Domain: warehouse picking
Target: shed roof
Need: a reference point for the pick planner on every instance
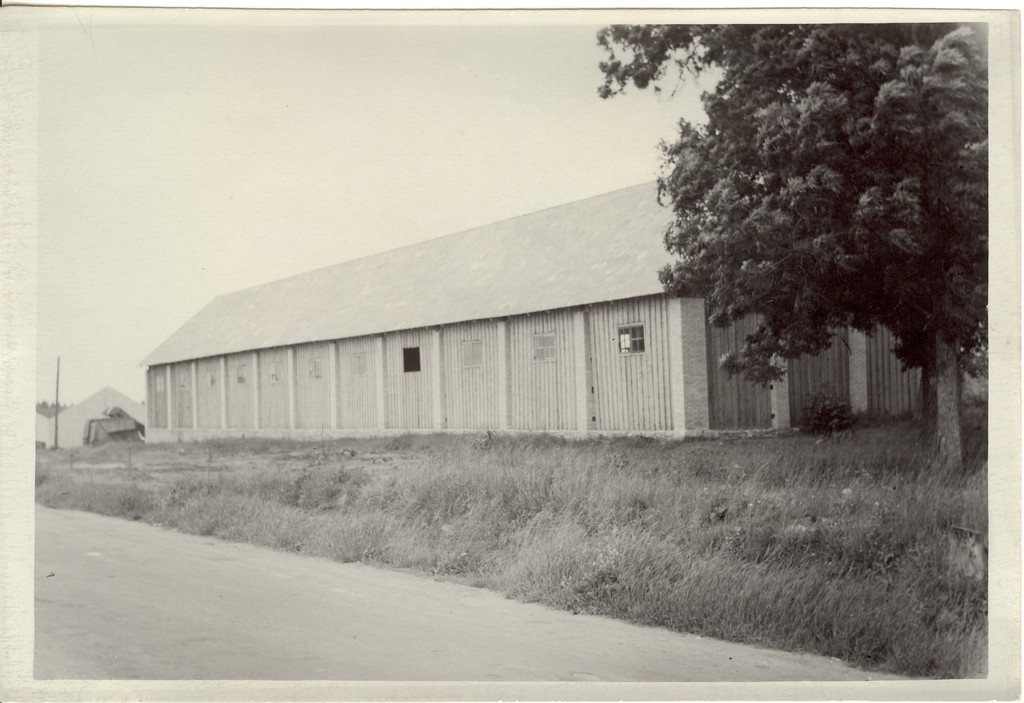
(607, 247)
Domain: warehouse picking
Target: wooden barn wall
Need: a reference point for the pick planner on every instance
(208, 391)
(357, 397)
(542, 395)
(471, 392)
(733, 401)
(156, 397)
(827, 371)
(274, 397)
(312, 393)
(409, 399)
(631, 391)
(891, 389)
(240, 414)
(181, 395)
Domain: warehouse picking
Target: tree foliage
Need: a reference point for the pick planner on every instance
(841, 179)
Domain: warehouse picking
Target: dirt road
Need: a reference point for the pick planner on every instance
(123, 600)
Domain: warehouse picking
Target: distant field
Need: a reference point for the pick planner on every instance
(852, 547)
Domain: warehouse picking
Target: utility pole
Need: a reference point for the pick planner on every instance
(56, 414)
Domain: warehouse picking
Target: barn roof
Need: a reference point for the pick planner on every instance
(602, 248)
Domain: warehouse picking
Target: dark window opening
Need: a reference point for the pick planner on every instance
(411, 359)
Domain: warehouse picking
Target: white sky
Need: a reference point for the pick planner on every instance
(180, 161)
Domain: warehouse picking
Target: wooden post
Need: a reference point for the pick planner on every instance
(436, 398)
(291, 388)
(579, 349)
(223, 392)
(378, 379)
(255, 390)
(332, 387)
(56, 413)
(169, 387)
(193, 368)
(502, 375)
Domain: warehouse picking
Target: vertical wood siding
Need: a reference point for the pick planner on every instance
(240, 394)
(541, 393)
(357, 397)
(471, 392)
(274, 394)
(631, 391)
(827, 371)
(156, 400)
(891, 389)
(207, 395)
(181, 393)
(409, 401)
(734, 402)
(312, 395)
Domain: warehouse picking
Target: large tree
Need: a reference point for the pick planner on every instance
(840, 179)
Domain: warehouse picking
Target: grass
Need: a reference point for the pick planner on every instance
(850, 547)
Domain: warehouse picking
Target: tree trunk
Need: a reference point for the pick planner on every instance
(947, 407)
(927, 411)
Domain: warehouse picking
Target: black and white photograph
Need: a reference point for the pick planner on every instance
(490, 355)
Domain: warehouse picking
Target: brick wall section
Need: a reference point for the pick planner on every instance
(688, 365)
(780, 403)
(858, 371)
(695, 363)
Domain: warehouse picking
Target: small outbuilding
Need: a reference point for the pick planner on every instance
(115, 426)
(74, 423)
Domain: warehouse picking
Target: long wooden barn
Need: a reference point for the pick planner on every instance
(554, 321)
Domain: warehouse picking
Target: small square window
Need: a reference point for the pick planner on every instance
(359, 364)
(314, 368)
(160, 383)
(275, 371)
(631, 339)
(241, 376)
(472, 353)
(544, 347)
(212, 378)
(411, 359)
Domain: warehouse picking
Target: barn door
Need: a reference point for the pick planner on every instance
(183, 406)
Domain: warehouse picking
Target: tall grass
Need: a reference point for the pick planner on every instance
(838, 547)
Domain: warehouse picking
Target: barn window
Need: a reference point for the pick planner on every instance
(275, 371)
(411, 359)
(544, 347)
(213, 378)
(241, 374)
(359, 364)
(160, 383)
(314, 368)
(631, 339)
(472, 353)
